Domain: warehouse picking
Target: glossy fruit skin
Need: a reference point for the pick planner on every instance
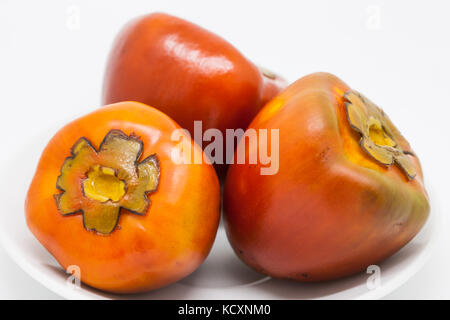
(331, 210)
(144, 252)
(187, 72)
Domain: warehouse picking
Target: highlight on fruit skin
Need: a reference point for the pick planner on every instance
(188, 72)
(349, 192)
(108, 197)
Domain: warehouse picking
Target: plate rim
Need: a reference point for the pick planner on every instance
(57, 287)
(13, 250)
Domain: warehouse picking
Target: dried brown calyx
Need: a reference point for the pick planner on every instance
(376, 135)
(267, 73)
(99, 184)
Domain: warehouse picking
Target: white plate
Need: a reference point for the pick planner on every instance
(222, 276)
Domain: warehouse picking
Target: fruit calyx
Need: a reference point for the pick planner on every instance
(98, 184)
(377, 139)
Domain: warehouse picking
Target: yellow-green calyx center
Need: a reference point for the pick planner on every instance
(378, 134)
(376, 131)
(102, 184)
(99, 184)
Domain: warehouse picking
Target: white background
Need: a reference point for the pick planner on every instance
(395, 52)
